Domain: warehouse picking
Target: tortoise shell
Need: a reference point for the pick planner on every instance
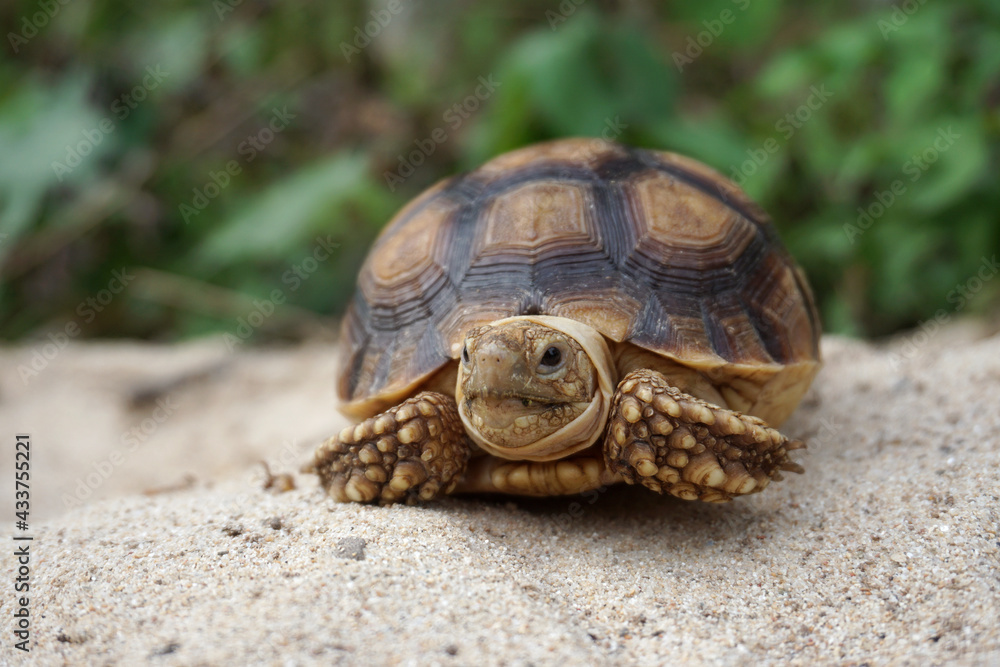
(649, 248)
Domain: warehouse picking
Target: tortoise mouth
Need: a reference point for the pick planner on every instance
(509, 412)
(510, 399)
(506, 428)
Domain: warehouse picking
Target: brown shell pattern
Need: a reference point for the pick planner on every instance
(647, 247)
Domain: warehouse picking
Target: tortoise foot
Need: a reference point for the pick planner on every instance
(672, 442)
(415, 451)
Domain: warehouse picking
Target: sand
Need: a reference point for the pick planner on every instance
(884, 552)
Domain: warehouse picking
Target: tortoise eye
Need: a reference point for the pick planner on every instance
(551, 358)
(465, 354)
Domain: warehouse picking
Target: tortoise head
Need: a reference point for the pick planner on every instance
(534, 387)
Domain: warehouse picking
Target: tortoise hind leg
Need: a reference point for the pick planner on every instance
(416, 450)
(672, 442)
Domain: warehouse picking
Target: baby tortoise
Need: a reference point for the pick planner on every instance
(570, 315)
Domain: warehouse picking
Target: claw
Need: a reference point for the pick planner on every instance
(407, 474)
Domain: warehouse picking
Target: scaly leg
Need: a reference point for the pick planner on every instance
(674, 443)
(416, 450)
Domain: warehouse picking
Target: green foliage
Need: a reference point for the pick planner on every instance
(826, 113)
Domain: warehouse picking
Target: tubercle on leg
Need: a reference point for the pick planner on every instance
(414, 451)
(674, 443)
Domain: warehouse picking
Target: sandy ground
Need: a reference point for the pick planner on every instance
(155, 543)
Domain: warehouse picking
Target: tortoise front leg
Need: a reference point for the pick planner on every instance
(674, 443)
(416, 450)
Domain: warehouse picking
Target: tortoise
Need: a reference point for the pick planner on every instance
(573, 314)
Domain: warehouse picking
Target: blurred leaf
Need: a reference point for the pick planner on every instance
(563, 78)
(915, 84)
(582, 77)
(176, 47)
(48, 136)
(789, 71)
(708, 137)
(242, 48)
(959, 156)
(314, 199)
